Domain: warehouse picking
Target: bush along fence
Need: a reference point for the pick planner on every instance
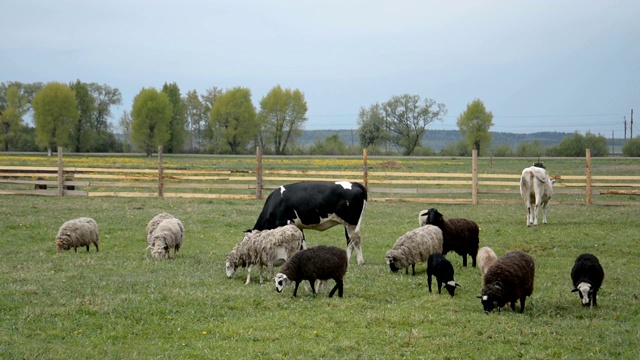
(386, 184)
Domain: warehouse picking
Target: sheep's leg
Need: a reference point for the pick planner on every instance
(313, 285)
(260, 273)
(429, 281)
(339, 286)
(439, 287)
(513, 305)
(522, 300)
(295, 289)
(88, 247)
(249, 268)
(413, 269)
(96, 244)
(464, 260)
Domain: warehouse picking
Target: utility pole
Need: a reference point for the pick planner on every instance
(612, 142)
(625, 129)
(631, 127)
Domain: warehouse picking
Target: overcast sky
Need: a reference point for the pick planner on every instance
(537, 65)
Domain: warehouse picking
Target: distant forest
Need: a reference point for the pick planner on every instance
(438, 139)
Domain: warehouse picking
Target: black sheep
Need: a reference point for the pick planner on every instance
(587, 275)
(441, 268)
(316, 263)
(509, 279)
(459, 235)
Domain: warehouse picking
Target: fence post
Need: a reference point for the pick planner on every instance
(588, 179)
(365, 168)
(258, 173)
(60, 173)
(474, 177)
(160, 173)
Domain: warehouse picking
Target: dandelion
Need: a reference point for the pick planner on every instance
(183, 344)
(204, 333)
(315, 332)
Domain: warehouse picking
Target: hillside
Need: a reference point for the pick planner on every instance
(438, 139)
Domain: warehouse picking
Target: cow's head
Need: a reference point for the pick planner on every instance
(584, 292)
(451, 287)
(281, 281)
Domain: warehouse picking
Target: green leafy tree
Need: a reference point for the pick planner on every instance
(530, 149)
(177, 125)
(151, 116)
(11, 122)
(458, 148)
(83, 133)
(474, 124)
(372, 129)
(212, 133)
(55, 111)
(502, 150)
(407, 118)
(234, 117)
(125, 127)
(196, 118)
(105, 98)
(331, 145)
(282, 115)
(576, 145)
(632, 147)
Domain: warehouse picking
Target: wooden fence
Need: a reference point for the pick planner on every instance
(386, 185)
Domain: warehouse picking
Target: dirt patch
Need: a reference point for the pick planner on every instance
(390, 165)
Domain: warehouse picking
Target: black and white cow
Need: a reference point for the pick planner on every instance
(319, 206)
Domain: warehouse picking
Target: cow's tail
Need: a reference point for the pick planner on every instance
(364, 206)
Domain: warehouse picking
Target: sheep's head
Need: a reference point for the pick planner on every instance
(230, 268)
(159, 247)
(281, 281)
(585, 292)
(63, 242)
(434, 217)
(492, 297)
(451, 287)
(393, 261)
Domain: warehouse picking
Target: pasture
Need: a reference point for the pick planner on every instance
(119, 303)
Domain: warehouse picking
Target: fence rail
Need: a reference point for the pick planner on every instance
(426, 187)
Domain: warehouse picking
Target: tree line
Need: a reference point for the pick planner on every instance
(76, 117)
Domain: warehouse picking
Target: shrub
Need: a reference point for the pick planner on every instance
(631, 147)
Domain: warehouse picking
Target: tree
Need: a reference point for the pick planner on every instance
(406, 119)
(282, 116)
(474, 125)
(234, 116)
(104, 97)
(576, 145)
(632, 147)
(55, 113)
(331, 145)
(530, 149)
(372, 129)
(125, 127)
(178, 119)
(83, 134)
(151, 115)
(11, 122)
(213, 134)
(196, 118)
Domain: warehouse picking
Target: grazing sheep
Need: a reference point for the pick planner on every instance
(169, 234)
(587, 275)
(153, 224)
(441, 268)
(267, 247)
(536, 189)
(459, 235)
(78, 233)
(509, 279)
(316, 263)
(486, 257)
(413, 247)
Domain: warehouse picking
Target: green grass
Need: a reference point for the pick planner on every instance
(120, 304)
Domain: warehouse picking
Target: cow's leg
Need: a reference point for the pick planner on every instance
(353, 243)
(544, 212)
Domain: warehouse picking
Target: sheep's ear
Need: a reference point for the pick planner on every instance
(479, 296)
(575, 290)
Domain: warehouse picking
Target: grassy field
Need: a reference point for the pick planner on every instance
(120, 304)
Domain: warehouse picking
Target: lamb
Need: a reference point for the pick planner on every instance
(316, 263)
(153, 224)
(509, 279)
(441, 268)
(459, 235)
(486, 257)
(413, 247)
(267, 247)
(536, 189)
(169, 234)
(78, 233)
(587, 275)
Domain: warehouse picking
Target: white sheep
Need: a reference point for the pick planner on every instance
(486, 257)
(536, 189)
(265, 248)
(413, 247)
(153, 224)
(169, 234)
(78, 233)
